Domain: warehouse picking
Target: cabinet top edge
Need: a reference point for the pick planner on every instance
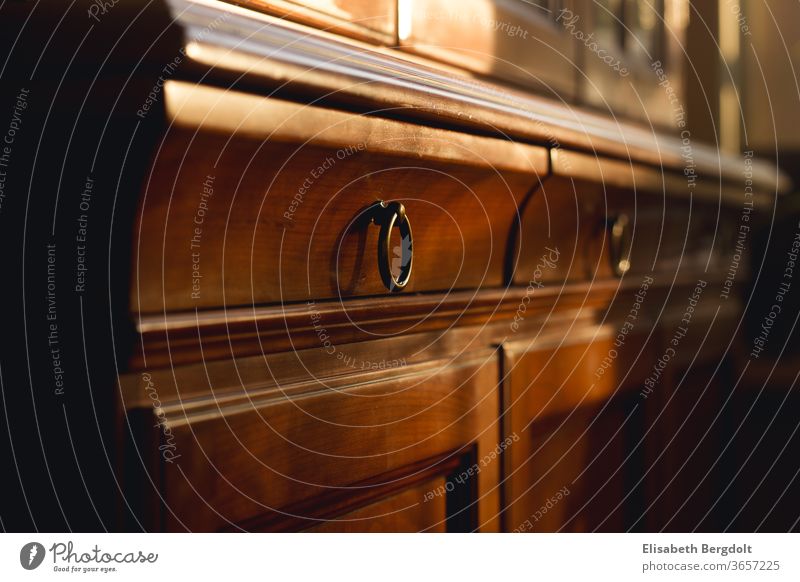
(226, 40)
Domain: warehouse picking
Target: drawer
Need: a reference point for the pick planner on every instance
(258, 201)
(603, 218)
(329, 446)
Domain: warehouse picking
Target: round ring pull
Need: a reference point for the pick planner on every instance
(387, 216)
(620, 244)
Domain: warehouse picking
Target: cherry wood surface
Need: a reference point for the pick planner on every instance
(245, 219)
(578, 431)
(287, 457)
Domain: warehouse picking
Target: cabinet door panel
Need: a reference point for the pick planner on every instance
(404, 512)
(578, 463)
(691, 414)
(292, 456)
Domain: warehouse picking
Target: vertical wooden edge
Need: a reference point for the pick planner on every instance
(141, 466)
(507, 359)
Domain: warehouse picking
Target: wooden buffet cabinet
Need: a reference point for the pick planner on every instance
(538, 337)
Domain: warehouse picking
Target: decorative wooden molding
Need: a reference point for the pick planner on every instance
(167, 340)
(244, 45)
(251, 116)
(625, 174)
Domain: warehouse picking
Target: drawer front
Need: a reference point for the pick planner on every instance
(672, 235)
(364, 451)
(603, 219)
(591, 230)
(275, 203)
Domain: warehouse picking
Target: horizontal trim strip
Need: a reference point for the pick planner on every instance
(184, 338)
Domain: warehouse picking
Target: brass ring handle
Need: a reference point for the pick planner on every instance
(387, 216)
(621, 244)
